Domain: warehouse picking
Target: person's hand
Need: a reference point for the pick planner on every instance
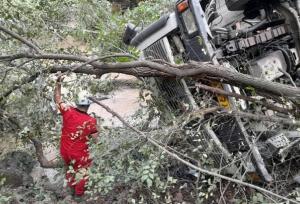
(60, 78)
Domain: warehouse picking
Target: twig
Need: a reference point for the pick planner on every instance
(260, 117)
(289, 76)
(22, 64)
(8, 70)
(23, 40)
(247, 98)
(175, 156)
(97, 59)
(11, 119)
(5, 74)
(38, 146)
(25, 80)
(283, 151)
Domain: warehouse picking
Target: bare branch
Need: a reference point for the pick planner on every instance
(18, 37)
(14, 123)
(44, 56)
(263, 117)
(247, 98)
(138, 72)
(175, 156)
(25, 80)
(5, 74)
(41, 157)
(116, 55)
(97, 59)
(10, 69)
(83, 69)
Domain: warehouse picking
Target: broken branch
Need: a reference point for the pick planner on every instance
(192, 69)
(246, 98)
(175, 156)
(21, 39)
(260, 117)
(44, 162)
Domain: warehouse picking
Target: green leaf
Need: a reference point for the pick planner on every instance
(149, 182)
(144, 178)
(151, 176)
(146, 171)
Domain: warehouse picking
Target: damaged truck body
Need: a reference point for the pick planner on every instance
(255, 37)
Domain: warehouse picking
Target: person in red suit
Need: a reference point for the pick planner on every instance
(77, 128)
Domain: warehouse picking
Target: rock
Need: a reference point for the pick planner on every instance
(15, 169)
(52, 175)
(18, 160)
(15, 177)
(12, 178)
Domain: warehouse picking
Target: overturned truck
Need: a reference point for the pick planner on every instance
(250, 132)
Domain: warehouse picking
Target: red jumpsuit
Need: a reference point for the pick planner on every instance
(76, 131)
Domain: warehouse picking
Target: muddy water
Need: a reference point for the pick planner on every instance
(124, 101)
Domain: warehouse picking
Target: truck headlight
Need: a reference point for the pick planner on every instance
(187, 16)
(189, 21)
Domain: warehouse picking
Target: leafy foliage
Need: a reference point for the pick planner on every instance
(70, 25)
(124, 165)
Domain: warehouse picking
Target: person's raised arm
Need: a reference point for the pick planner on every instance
(57, 94)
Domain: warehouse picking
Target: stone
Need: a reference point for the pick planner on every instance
(15, 169)
(15, 177)
(18, 160)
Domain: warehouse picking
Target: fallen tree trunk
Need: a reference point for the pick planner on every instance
(142, 68)
(153, 69)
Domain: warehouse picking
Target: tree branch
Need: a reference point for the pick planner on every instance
(246, 98)
(25, 80)
(41, 157)
(175, 156)
(138, 72)
(73, 69)
(21, 39)
(38, 146)
(259, 117)
(194, 69)
(83, 69)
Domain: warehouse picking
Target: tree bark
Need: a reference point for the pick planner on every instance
(193, 69)
(44, 162)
